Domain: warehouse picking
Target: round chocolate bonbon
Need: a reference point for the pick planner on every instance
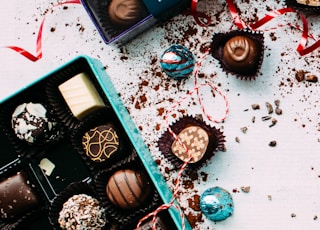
(101, 143)
(177, 62)
(125, 12)
(30, 122)
(128, 189)
(241, 54)
(216, 203)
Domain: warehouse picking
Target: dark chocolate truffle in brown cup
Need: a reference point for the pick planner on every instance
(239, 52)
(125, 13)
(195, 141)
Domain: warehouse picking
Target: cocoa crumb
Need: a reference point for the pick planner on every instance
(293, 215)
(269, 107)
(255, 106)
(300, 75)
(244, 129)
(272, 143)
(245, 189)
(265, 118)
(237, 139)
(273, 122)
(312, 78)
(278, 111)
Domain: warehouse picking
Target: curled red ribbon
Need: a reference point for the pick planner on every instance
(302, 49)
(201, 18)
(38, 54)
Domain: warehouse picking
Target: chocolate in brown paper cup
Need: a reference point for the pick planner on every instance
(53, 130)
(113, 28)
(102, 142)
(303, 7)
(239, 66)
(123, 216)
(74, 188)
(213, 137)
(56, 99)
(32, 208)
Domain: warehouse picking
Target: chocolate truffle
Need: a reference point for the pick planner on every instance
(81, 95)
(128, 189)
(125, 12)
(195, 139)
(30, 122)
(241, 54)
(101, 143)
(16, 196)
(309, 2)
(82, 211)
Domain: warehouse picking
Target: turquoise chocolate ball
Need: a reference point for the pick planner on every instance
(216, 203)
(177, 62)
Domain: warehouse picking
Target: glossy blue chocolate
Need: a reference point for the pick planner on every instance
(177, 62)
(216, 203)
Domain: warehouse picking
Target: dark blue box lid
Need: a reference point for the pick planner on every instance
(158, 7)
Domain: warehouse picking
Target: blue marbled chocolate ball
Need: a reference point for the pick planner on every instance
(177, 62)
(216, 203)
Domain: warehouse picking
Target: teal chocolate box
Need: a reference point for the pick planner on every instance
(69, 165)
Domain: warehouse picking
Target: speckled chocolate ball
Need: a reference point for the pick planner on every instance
(216, 203)
(177, 62)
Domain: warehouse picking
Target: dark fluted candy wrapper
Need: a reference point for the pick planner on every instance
(250, 46)
(215, 141)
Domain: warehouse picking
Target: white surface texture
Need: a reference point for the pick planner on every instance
(284, 180)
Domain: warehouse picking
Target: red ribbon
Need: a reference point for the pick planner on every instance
(302, 50)
(38, 54)
(201, 18)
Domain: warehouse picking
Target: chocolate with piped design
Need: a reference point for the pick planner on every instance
(101, 143)
(195, 139)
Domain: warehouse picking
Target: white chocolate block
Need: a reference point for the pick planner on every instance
(81, 96)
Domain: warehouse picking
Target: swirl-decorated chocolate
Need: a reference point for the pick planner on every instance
(241, 54)
(177, 62)
(101, 143)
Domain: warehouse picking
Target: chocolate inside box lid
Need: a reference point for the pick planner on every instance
(150, 13)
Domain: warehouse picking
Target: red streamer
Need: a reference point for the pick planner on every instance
(302, 49)
(38, 54)
(201, 18)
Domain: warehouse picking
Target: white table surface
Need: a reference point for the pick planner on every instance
(284, 180)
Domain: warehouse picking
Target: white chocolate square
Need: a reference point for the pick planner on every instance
(81, 96)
